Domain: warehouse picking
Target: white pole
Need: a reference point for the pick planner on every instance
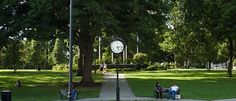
(112, 58)
(99, 48)
(123, 57)
(126, 53)
(137, 44)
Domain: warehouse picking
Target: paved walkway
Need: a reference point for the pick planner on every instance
(226, 100)
(108, 90)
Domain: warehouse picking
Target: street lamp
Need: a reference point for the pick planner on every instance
(70, 53)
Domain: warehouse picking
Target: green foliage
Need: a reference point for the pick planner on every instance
(26, 49)
(36, 54)
(64, 67)
(140, 58)
(76, 54)
(158, 66)
(97, 61)
(58, 54)
(106, 56)
(60, 67)
(205, 39)
(12, 55)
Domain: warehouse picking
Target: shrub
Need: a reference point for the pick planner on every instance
(4, 67)
(140, 58)
(157, 66)
(60, 67)
(172, 65)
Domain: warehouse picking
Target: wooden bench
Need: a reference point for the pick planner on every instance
(64, 95)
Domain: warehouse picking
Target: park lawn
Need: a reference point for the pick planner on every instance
(42, 85)
(194, 84)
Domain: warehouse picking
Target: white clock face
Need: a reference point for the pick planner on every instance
(117, 46)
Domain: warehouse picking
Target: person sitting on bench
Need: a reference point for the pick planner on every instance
(173, 91)
(158, 90)
(74, 94)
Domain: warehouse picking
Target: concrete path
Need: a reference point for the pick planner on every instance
(108, 90)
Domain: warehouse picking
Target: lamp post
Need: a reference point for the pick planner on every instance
(117, 85)
(70, 53)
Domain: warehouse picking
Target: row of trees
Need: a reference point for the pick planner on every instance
(185, 31)
(33, 54)
(201, 31)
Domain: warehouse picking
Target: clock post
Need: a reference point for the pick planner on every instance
(117, 85)
(117, 47)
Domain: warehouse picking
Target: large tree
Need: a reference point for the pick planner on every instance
(218, 18)
(118, 18)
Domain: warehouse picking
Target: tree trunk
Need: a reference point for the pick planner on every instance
(230, 66)
(80, 64)
(209, 66)
(14, 68)
(38, 67)
(87, 48)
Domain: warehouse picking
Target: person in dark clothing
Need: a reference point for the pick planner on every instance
(18, 83)
(158, 90)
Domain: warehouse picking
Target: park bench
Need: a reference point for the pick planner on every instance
(64, 95)
(165, 93)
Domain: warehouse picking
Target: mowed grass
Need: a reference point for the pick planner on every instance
(42, 85)
(194, 84)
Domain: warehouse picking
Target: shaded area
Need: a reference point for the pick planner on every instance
(42, 86)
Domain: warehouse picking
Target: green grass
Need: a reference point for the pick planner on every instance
(194, 84)
(42, 86)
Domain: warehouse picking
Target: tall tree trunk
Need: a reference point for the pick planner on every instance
(14, 55)
(85, 41)
(46, 57)
(230, 66)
